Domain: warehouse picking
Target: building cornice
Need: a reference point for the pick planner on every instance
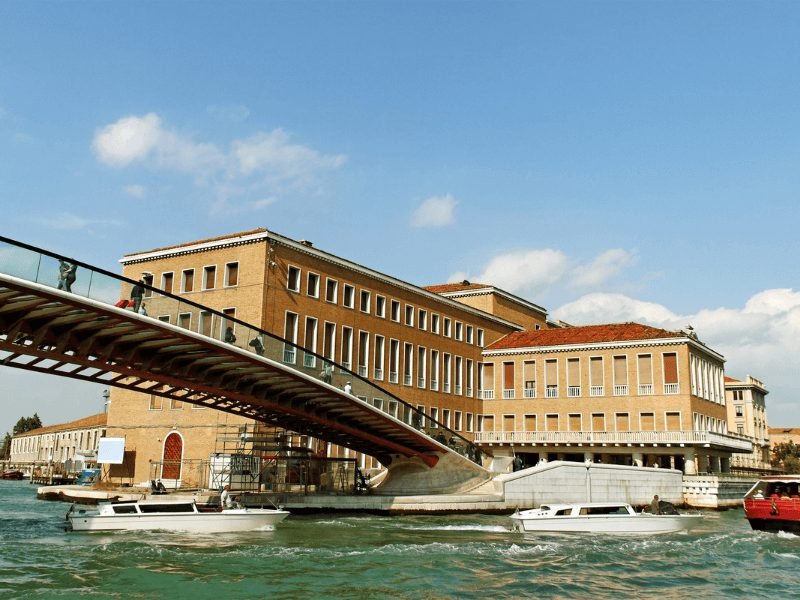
(234, 240)
(489, 290)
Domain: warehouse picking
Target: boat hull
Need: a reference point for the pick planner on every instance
(639, 524)
(773, 504)
(201, 522)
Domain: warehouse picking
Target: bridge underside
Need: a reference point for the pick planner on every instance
(50, 331)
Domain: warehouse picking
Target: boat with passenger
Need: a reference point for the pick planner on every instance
(773, 504)
(172, 515)
(617, 518)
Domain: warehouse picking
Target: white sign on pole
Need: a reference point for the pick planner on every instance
(111, 451)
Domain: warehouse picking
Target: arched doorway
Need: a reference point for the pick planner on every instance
(171, 459)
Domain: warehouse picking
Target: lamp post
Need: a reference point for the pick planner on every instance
(106, 400)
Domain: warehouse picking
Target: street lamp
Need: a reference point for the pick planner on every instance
(106, 400)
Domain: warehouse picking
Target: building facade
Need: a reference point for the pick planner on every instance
(420, 345)
(747, 416)
(622, 393)
(74, 443)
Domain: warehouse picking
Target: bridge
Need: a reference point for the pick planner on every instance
(70, 327)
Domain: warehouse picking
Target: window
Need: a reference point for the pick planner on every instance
(187, 280)
(434, 370)
(394, 360)
(409, 315)
(293, 279)
(457, 420)
(468, 377)
(155, 402)
(209, 277)
(469, 422)
(435, 324)
(670, 360)
(596, 387)
(147, 278)
(529, 378)
(175, 404)
(363, 353)
(349, 296)
(331, 291)
(446, 331)
(231, 274)
(459, 331)
(469, 334)
(446, 363)
(622, 422)
(458, 374)
(621, 376)
(486, 381)
(422, 319)
(310, 342)
(380, 343)
(422, 365)
(395, 311)
(598, 422)
(329, 341)
(551, 378)
(434, 417)
(647, 421)
(312, 289)
(408, 364)
(290, 335)
(205, 326)
(573, 377)
(739, 410)
(230, 313)
(644, 363)
(347, 347)
(166, 282)
(185, 320)
(380, 307)
(480, 338)
(364, 302)
(508, 380)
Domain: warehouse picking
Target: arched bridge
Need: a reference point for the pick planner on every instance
(69, 326)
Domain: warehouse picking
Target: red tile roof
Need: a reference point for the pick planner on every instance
(731, 380)
(85, 423)
(617, 332)
(214, 239)
(461, 286)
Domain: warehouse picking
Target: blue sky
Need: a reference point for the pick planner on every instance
(609, 161)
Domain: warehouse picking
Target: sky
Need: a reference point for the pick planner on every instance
(610, 161)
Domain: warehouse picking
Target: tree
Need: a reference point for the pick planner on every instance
(25, 424)
(5, 449)
(787, 456)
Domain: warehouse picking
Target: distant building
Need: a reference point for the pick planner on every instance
(75, 443)
(747, 416)
(621, 393)
(782, 435)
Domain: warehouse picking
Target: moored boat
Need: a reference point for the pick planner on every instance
(773, 504)
(617, 518)
(12, 474)
(172, 515)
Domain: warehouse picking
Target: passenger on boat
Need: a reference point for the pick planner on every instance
(655, 507)
(225, 499)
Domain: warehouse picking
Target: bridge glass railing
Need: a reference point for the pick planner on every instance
(40, 266)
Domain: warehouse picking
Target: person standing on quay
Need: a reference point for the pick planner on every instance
(136, 295)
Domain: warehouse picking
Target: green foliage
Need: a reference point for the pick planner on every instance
(787, 456)
(5, 449)
(25, 424)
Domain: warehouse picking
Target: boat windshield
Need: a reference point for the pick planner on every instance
(173, 507)
(604, 510)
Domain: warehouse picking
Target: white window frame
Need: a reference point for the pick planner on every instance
(289, 270)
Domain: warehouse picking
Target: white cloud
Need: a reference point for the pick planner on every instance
(603, 267)
(260, 165)
(128, 140)
(70, 222)
(136, 191)
(614, 308)
(436, 211)
(525, 272)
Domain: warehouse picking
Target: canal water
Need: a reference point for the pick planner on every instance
(366, 556)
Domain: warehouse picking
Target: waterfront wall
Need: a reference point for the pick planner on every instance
(712, 491)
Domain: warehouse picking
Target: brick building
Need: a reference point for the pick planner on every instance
(747, 416)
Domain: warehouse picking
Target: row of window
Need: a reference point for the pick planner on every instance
(598, 422)
(394, 310)
(382, 359)
(188, 281)
(157, 403)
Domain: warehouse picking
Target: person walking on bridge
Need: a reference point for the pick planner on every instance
(137, 293)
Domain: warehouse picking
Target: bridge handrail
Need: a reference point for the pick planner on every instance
(103, 286)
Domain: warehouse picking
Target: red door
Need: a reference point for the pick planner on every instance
(173, 452)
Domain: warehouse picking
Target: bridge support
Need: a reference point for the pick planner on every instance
(451, 474)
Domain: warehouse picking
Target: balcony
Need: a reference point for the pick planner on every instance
(597, 390)
(551, 391)
(672, 388)
(573, 391)
(529, 393)
(508, 394)
(486, 394)
(676, 439)
(620, 390)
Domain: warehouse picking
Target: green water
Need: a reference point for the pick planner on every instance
(364, 556)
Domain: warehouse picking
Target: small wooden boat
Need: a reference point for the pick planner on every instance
(599, 517)
(172, 516)
(773, 504)
(12, 475)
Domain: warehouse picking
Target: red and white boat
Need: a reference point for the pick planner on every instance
(773, 504)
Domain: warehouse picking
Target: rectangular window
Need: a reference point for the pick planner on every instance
(446, 372)
(508, 380)
(645, 367)
(739, 410)
(349, 296)
(446, 331)
(598, 422)
(329, 341)
(347, 347)
(469, 376)
(409, 315)
(622, 422)
(364, 302)
(469, 423)
(422, 319)
(166, 282)
(185, 320)
(509, 423)
(673, 421)
(486, 381)
(155, 402)
(380, 342)
(293, 279)
(175, 404)
(469, 334)
(394, 361)
(434, 370)
(209, 277)
(529, 422)
(395, 311)
(290, 335)
(187, 280)
(457, 375)
(488, 423)
(363, 353)
(647, 421)
(435, 324)
(147, 279)
(574, 422)
(408, 364)
(573, 377)
(231, 274)
(459, 331)
(457, 420)
(596, 387)
(480, 338)
(206, 324)
(230, 313)
(331, 291)
(551, 422)
(422, 365)
(551, 378)
(434, 417)
(312, 289)
(670, 360)
(529, 378)
(380, 307)
(620, 375)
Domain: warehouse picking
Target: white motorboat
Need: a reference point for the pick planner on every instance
(172, 516)
(600, 517)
